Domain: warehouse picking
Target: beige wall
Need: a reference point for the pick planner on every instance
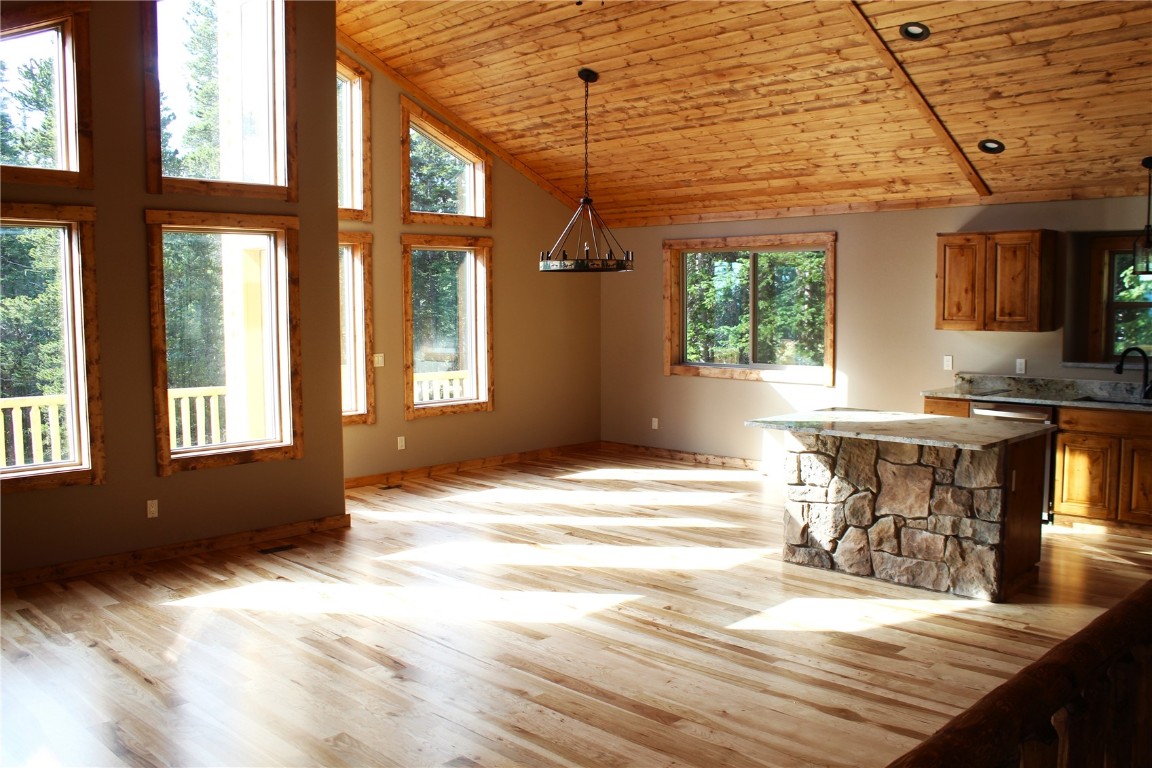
(546, 326)
(52, 526)
(886, 346)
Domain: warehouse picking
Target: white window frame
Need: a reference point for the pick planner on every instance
(356, 162)
(356, 330)
(82, 354)
(283, 68)
(480, 249)
(414, 116)
(284, 297)
(674, 307)
(74, 88)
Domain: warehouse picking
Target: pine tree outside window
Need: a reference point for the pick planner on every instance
(51, 426)
(446, 178)
(45, 100)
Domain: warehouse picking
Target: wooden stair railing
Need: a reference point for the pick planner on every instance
(1085, 703)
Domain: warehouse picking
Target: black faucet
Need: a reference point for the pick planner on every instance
(1120, 368)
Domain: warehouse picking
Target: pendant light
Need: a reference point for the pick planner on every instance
(593, 248)
(1142, 246)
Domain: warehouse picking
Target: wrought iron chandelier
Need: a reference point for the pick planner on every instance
(593, 246)
(1142, 246)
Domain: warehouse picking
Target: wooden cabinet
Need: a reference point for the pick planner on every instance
(995, 281)
(1104, 465)
(946, 406)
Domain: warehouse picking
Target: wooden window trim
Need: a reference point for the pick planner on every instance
(157, 182)
(481, 248)
(72, 17)
(82, 219)
(674, 310)
(361, 243)
(352, 69)
(427, 122)
(286, 230)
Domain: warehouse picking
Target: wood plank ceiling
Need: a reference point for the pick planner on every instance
(711, 110)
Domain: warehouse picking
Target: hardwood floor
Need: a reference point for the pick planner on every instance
(596, 609)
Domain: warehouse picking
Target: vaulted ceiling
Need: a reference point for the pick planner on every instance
(720, 110)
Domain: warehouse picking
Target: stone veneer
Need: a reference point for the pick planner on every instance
(920, 515)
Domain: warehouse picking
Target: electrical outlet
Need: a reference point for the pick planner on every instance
(655, 423)
(1021, 365)
(947, 362)
(378, 360)
(400, 443)
(153, 508)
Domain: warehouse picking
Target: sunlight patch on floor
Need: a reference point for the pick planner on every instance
(670, 475)
(637, 498)
(569, 521)
(583, 555)
(857, 614)
(451, 604)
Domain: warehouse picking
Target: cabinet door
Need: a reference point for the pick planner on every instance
(1087, 475)
(1015, 279)
(959, 282)
(1136, 481)
(946, 406)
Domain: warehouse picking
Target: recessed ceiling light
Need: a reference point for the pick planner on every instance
(915, 31)
(991, 146)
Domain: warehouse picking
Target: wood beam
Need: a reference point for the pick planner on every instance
(916, 97)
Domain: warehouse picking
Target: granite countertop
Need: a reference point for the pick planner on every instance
(917, 428)
(1075, 393)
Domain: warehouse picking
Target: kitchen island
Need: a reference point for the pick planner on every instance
(943, 503)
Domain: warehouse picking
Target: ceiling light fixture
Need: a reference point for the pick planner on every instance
(594, 248)
(915, 31)
(1142, 245)
(991, 146)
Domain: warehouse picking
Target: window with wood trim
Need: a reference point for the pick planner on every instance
(759, 307)
(446, 177)
(357, 374)
(220, 97)
(51, 425)
(447, 324)
(45, 95)
(353, 138)
(1120, 304)
(226, 349)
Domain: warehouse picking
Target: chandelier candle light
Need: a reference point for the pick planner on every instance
(594, 247)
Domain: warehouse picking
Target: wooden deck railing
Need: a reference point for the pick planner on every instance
(1087, 702)
(196, 416)
(33, 430)
(441, 385)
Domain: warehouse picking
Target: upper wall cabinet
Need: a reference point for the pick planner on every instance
(995, 281)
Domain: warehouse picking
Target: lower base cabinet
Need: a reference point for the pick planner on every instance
(1104, 465)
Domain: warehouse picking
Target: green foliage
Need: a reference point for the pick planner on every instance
(194, 309)
(31, 311)
(1132, 306)
(201, 142)
(29, 139)
(437, 324)
(786, 289)
(437, 176)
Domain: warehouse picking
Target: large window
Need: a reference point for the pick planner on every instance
(220, 98)
(447, 324)
(357, 373)
(226, 386)
(757, 307)
(446, 178)
(51, 427)
(1121, 300)
(353, 138)
(45, 102)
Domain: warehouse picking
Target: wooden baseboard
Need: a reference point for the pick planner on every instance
(399, 476)
(169, 551)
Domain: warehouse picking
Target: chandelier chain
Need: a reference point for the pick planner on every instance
(585, 138)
